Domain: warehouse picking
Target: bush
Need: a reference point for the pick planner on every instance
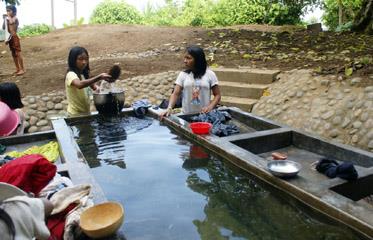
(115, 12)
(34, 30)
(165, 16)
(227, 12)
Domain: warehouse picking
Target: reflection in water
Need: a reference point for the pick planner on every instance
(171, 189)
(239, 208)
(102, 140)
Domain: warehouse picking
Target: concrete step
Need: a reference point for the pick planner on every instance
(245, 75)
(245, 104)
(244, 90)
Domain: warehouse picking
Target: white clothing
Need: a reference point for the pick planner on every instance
(201, 86)
(28, 218)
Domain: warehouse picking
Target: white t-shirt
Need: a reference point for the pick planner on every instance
(28, 218)
(196, 92)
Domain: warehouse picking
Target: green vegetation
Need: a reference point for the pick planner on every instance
(115, 12)
(34, 30)
(350, 9)
(79, 22)
(207, 13)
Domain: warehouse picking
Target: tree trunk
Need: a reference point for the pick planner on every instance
(340, 13)
(364, 19)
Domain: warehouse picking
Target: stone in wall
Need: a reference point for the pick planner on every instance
(337, 110)
(39, 109)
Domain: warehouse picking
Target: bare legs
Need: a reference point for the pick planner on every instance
(18, 61)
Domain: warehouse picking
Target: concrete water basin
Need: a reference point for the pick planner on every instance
(245, 122)
(356, 190)
(302, 148)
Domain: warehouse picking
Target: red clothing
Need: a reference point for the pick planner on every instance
(31, 173)
(15, 45)
(56, 223)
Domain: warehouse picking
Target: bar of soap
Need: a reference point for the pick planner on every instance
(279, 156)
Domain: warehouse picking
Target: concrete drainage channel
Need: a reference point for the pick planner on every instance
(336, 198)
(250, 150)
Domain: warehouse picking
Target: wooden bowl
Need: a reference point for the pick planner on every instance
(102, 220)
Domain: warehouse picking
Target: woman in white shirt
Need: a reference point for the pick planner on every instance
(195, 84)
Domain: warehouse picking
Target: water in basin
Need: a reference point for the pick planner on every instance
(172, 189)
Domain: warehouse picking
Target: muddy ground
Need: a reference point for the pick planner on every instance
(144, 50)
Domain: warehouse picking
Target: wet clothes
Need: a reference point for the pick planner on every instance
(140, 107)
(219, 120)
(31, 173)
(2, 148)
(50, 151)
(5, 159)
(332, 169)
(27, 215)
(165, 102)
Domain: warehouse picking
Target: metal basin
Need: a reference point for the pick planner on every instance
(284, 168)
(109, 103)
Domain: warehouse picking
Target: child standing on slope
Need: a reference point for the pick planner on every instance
(78, 80)
(11, 24)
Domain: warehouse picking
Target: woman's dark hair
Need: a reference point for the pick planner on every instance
(4, 216)
(71, 61)
(200, 63)
(10, 94)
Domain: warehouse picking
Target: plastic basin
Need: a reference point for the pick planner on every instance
(200, 127)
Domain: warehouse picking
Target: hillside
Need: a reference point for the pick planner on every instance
(143, 50)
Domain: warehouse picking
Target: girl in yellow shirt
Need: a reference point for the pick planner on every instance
(78, 80)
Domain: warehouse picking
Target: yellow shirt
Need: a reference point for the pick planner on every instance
(78, 99)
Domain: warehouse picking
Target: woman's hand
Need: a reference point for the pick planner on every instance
(165, 113)
(206, 109)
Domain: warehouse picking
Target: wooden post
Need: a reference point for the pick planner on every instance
(52, 13)
(75, 12)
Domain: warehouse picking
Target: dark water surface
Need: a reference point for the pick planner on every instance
(172, 189)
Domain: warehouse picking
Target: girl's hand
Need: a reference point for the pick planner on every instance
(105, 76)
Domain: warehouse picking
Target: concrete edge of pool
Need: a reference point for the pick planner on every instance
(314, 192)
(310, 187)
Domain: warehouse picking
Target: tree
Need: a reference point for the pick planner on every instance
(13, 2)
(364, 19)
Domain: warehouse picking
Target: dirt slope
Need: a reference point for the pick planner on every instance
(143, 50)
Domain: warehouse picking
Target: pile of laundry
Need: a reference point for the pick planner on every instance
(50, 151)
(219, 121)
(36, 175)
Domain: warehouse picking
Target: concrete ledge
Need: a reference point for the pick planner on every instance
(256, 76)
(310, 187)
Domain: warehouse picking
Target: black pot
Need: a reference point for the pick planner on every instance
(109, 103)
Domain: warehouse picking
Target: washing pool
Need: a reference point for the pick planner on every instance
(173, 189)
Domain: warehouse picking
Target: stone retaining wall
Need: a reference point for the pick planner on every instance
(336, 109)
(331, 107)
(38, 109)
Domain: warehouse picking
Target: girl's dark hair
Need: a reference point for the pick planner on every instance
(10, 94)
(200, 63)
(71, 61)
(4, 216)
